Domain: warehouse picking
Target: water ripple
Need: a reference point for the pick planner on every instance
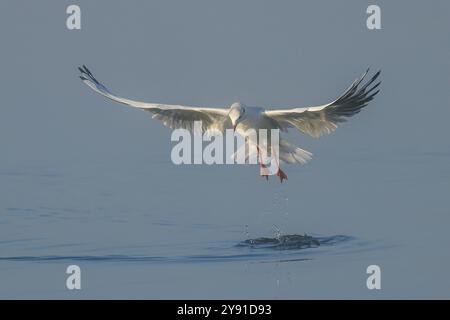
(285, 248)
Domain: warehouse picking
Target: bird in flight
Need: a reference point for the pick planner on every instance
(314, 120)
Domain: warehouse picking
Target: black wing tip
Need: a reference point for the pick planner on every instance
(84, 72)
(374, 94)
(375, 86)
(370, 67)
(370, 83)
(87, 75)
(377, 74)
(87, 70)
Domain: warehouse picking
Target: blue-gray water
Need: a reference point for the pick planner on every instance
(87, 182)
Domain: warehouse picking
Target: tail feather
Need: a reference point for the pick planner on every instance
(290, 153)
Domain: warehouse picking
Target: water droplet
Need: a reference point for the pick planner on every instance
(277, 233)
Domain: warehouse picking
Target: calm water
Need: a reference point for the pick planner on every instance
(87, 182)
(130, 243)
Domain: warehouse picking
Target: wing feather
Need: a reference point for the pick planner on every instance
(319, 120)
(172, 116)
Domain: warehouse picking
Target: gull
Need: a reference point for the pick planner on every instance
(313, 120)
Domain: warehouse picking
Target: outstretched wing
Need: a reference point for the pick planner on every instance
(172, 116)
(323, 119)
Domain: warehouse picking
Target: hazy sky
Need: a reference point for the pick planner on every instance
(382, 175)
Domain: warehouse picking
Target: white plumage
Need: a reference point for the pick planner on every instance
(314, 121)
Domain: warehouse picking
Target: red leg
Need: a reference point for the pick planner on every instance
(282, 175)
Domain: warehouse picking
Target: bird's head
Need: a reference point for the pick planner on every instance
(236, 114)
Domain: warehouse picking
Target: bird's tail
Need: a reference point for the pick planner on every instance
(290, 153)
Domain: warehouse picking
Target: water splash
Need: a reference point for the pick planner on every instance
(283, 242)
(277, 232)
